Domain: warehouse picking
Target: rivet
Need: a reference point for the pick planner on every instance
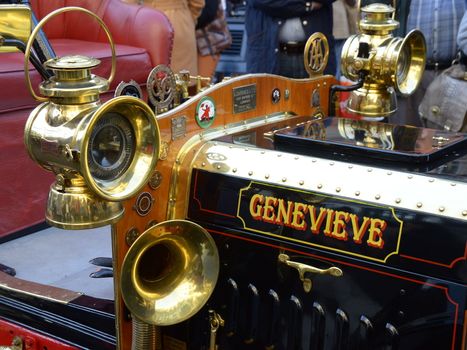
(279, 155)
(338, 189)
(250, 173)
(398, 200)
(234, 170)
(369, 170)
(296, 158)
(357, 193)
(464, 213)
(203, 164)
(284, 179)
(419, 205)
(350, 166)
(218, 166)
(266, 176)
(431, 180)
(377, 196)
(389, 172)
(441, 209)
(331, 163)
(263, 152)
(320, 186)
(453, 184)
(313, 160)
(301, 182)
(410, 177)
(246, 149)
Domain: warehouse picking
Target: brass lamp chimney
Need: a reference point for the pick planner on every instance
(389, 64)
(101, 153)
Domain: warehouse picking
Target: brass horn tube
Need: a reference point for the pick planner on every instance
(144, 335)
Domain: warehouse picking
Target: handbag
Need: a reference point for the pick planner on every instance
(444, 105)
(215, 36)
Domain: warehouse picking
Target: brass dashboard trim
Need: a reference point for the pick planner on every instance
(189, 150)
(395, 189)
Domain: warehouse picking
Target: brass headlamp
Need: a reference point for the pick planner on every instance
(101, 153)
(389, 64)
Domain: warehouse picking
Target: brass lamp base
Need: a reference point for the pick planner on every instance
(373, 102)
(76, 208)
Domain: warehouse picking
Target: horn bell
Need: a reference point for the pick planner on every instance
(169, 272)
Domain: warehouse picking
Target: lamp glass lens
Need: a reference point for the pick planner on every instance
(403, 64)
(111, 147)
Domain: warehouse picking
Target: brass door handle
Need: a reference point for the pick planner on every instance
(303, 268)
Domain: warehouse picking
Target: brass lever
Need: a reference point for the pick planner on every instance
(215, 321)
(16, 344)
(303, 268)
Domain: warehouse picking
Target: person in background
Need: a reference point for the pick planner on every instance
(277, 31)
(344, 13)
(439, 21)
(212, 36)
(183, 14)
(462, 38)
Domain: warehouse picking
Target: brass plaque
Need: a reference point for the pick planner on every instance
(178, 127)
(244, 98)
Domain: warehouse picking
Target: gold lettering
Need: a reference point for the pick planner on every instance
(268, 214)
(329, 220)
(298, 221)
(256, 208)
(358, 232)
(340, 219)
(316, 222)
(284, 215)
(375, 235)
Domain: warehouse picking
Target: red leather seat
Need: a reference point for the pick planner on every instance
(143, 38)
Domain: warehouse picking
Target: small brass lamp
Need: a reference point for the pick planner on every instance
(389, 64)
(101, 153)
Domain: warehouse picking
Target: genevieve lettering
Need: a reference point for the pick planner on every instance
(332, 223)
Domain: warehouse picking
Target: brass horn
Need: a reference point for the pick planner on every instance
(168, 274)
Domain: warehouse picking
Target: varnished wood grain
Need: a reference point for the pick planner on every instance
(298, 103)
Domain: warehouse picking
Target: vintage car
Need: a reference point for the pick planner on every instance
(249, 214)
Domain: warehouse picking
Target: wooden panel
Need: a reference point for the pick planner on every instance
(299, 102)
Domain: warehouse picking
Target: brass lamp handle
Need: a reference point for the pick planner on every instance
(39, 26)
(304, 268)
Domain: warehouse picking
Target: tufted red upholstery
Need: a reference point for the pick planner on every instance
(143, 38)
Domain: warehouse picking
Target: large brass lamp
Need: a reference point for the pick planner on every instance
(389, 64)
(101, 153)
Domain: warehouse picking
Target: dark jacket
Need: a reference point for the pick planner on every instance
(263, 18)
